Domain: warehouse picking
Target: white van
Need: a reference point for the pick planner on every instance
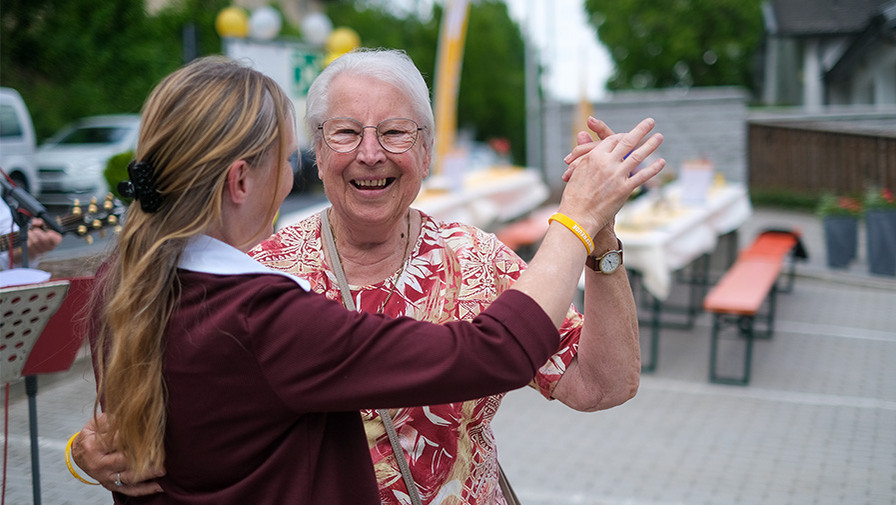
(17, 143)
(71, 163)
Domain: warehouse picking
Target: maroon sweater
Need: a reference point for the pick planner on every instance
(265, 381)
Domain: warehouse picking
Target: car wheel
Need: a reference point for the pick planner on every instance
(19, 180)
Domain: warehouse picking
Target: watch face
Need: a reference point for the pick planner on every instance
(610, 262)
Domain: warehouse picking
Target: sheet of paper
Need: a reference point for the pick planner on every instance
(695, 180)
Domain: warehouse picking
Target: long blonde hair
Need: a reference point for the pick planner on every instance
(195, 124)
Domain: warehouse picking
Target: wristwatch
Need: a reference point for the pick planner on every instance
(606, 263)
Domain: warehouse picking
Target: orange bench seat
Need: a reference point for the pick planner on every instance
(525, 233)
(775, 244)
(745, 286)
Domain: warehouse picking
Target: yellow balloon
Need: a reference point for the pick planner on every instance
(232, 22)
(342, 40)
(330, 58)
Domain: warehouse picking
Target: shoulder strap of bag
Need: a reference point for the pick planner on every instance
(397, 450)
(330, 244)
(506, 488)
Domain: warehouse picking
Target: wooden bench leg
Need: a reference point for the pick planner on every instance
(648, 362)
(699, 283)
(771, 311)
(745, 329)
(790, 275)
(650, 365)
(695, 278)
(772, 303)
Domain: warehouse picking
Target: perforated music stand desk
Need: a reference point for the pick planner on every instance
(58, 345)
(38, 335)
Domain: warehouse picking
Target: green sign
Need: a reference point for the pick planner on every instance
(306, 67)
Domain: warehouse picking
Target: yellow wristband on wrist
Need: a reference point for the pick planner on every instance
(575, 228)
(68, 462)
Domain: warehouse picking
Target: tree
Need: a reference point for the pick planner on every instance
(74, 58)
(491, 101)
(493, 80)
(678, 42)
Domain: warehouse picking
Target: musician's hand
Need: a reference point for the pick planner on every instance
(41, 240)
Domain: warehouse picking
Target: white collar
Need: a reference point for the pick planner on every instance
(209, 255)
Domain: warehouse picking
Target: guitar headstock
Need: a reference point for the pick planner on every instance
(82, 221)
(94, 217)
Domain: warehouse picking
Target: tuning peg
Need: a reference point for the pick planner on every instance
(97, 224)
(82, 230)
(112, 220)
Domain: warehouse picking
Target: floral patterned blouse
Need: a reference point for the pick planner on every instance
(454, 272)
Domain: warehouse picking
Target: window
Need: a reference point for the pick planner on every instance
(95, 135)
(9, 122)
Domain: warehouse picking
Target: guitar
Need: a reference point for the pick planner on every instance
(83, 220)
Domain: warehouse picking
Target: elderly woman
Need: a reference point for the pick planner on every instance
(400, 261)
(372, 124)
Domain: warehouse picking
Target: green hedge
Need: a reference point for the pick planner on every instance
(117, 171)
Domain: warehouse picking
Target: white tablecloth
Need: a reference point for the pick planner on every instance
(486, 197)
(661, 235)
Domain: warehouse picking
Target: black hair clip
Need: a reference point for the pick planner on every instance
(141, 187)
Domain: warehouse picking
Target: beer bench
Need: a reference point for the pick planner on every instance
(750, 283)
(524, 235)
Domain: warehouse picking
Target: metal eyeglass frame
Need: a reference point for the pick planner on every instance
(375, 128)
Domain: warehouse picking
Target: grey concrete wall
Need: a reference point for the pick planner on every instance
(699, 122)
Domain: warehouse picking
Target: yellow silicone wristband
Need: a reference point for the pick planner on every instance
(575, 228)
(68, 462)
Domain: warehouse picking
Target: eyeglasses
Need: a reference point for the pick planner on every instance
(344, 134)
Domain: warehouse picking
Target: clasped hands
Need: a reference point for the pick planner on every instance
(609, 168)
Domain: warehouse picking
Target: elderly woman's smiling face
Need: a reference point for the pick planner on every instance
(370, 185)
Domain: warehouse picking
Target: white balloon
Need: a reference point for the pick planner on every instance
(264, 23)
(316, 27)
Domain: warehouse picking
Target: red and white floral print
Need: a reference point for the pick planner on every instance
(455, 271)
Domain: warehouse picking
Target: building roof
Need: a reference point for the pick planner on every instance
(804, 18)
(880, 29)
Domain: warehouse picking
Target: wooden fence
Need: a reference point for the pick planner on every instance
(811, 158)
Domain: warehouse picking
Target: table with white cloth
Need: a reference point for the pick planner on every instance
(664, 234)
(481, 198)
(485, 197)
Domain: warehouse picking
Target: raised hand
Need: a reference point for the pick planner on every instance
(602, 174)
(585, 143)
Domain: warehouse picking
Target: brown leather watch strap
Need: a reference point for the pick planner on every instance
(593, 262)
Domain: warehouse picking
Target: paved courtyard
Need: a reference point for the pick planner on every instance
(816, 425)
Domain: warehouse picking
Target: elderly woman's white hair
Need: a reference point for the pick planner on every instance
(388, 65)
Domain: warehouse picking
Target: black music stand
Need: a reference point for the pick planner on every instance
(26, 311)
(32, 340)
